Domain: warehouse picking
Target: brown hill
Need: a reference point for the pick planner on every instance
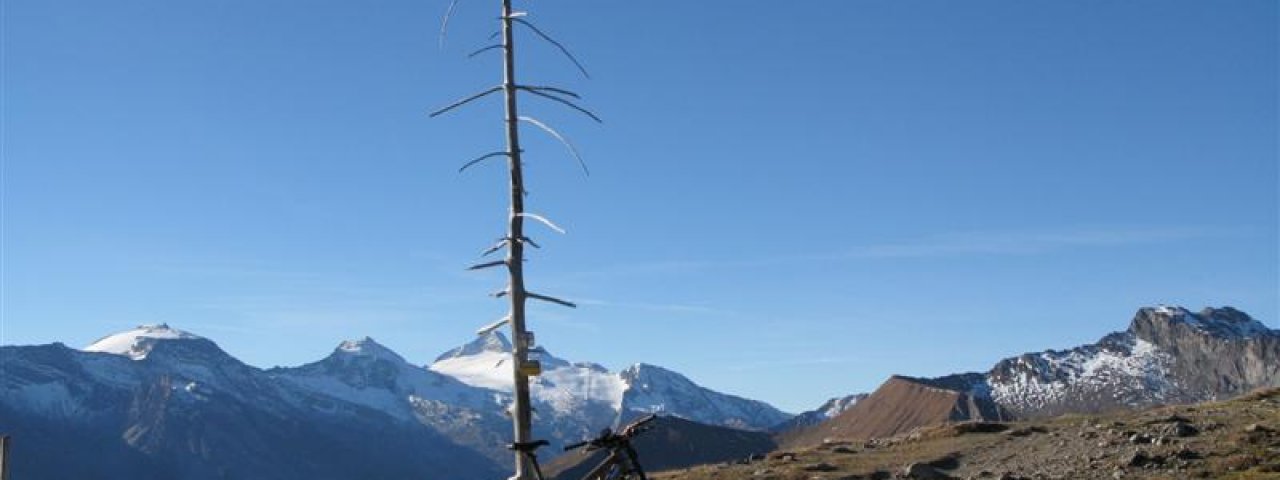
(899, 405)
(672, 443)
(1232, 440)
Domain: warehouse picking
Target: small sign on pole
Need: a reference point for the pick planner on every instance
(4, 457)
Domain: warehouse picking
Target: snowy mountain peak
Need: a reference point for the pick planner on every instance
(139, 342)
(1225, 322)
(368, 347)
(644, 372)
(636, 368)
(492, 342)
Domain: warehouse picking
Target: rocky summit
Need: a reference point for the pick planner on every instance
(1168, 355)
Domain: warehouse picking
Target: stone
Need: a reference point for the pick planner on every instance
(1136, 459)
(923, 471)
(1256, 428)
(820, 467)
(784, 456)
(1182, 429)
(1187, 454)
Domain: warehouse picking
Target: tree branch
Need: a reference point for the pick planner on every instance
(444, 24)
(542, 219)
(552, 89)
(552, 300)
(497, 246)
(485, 330)
(465, 101)
(562, 140)
(558, 45)
(485, 49)
(492, 264)
(483, 158)
(563, 101)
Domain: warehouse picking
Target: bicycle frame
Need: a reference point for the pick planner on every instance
(617, 465)
(622, 462)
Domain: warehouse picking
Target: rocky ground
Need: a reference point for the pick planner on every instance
(1237, 439)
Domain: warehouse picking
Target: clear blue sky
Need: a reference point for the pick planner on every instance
(788, 200)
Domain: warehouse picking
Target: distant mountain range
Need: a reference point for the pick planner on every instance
(824, 412)
(1168, 355)
(158, 402)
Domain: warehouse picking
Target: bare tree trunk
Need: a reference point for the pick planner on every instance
(522, 340)
(521, 411)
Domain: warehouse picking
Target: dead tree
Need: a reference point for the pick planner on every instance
(515, 240)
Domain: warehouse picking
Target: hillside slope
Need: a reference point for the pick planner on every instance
(1168, 355)
(900, 404)
(1233, 440)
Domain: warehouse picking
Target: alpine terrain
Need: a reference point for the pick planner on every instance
(159, 402)
(1168, 355)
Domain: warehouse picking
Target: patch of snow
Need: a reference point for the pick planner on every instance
(570, 390)
(562, 385)
(1136, 367)
(1222, 325)
(838, 405)
(387, 401)
(367, 347)
(137, 343)
(366, 373)
(492, 342)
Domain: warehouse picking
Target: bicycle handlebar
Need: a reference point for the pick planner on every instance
(635, 426)
(608, 437)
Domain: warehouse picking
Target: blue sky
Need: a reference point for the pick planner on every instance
(788, 200)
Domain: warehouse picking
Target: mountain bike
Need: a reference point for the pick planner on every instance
(621, 463)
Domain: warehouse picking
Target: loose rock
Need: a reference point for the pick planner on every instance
(820, 467)
(923, 471)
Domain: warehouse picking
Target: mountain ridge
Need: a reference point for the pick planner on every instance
(1167, 355)
(152, 390)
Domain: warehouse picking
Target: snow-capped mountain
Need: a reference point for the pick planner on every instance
(589, 392)
(158, 402)
(824, 412)
(137, 343)
(1168, 355)
(363, 372)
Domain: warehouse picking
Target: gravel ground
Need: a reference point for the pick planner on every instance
(1237, 439)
